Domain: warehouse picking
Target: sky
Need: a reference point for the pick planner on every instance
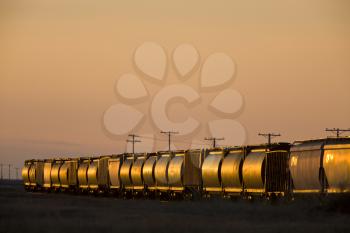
(59, 62)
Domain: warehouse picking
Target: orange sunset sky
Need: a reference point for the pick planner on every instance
(59, 61)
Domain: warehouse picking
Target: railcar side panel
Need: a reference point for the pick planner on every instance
(68, 174)
(176, 171)
(231, 172)
(254, 172)
(136, 173)
(161, 171)
(25, 174)
(305, 165)
(125, 173)
(92, 174)
(148, 172)
(114, 165)
(336, 162)
(193, 160)
(211, 171)
(82, 174)
(47, 174)
(55, 178)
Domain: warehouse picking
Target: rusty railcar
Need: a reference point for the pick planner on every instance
(33, 174)
(97, 174)
(265, 170)
(320, 166)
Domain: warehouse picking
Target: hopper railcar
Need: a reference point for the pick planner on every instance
(178, 174)
(211, 175)
(184, 174)
(265, 171)
(138, 185)
(68, 176)
(47, 184)
(55, 174)
(97, 175)
(32, 174)
(312, 167)
(125, 175)
(320, 166)
(148, 175)
(161, 173)
(248, 171)
(231, 172)
(222, 172)
(114, 165)
(132, 181)
(83, 166)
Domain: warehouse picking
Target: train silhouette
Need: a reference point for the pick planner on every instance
(275, 170)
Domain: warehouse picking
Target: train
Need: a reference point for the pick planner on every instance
(269, 171)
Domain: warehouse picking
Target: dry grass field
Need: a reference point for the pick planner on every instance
(40, 212)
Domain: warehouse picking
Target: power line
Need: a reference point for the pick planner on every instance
(269, 136)
(213, 139)
(337, 131)
(169, 133)
(179, 141)
(133, 141)
(159, 139)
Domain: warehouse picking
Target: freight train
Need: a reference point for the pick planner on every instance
(319, 167)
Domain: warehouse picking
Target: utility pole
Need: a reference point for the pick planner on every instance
(213, 139)
(269, 136)
(1, 165)
(133, 141)
(9, 171)
(16, 172)
(337, 131)
(169, 133)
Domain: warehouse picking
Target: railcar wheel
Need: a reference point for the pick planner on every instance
(273, 199)
(145, 194)
(127, 195)
(234, 198)
(188, 196)
(115, 193)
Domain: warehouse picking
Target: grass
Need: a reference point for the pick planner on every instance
(40, 212)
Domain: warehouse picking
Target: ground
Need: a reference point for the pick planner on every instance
(28, 212)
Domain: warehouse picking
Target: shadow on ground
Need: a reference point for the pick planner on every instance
(40, 212)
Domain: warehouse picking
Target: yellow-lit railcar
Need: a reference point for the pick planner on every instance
(32, 174)
(97, 174)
